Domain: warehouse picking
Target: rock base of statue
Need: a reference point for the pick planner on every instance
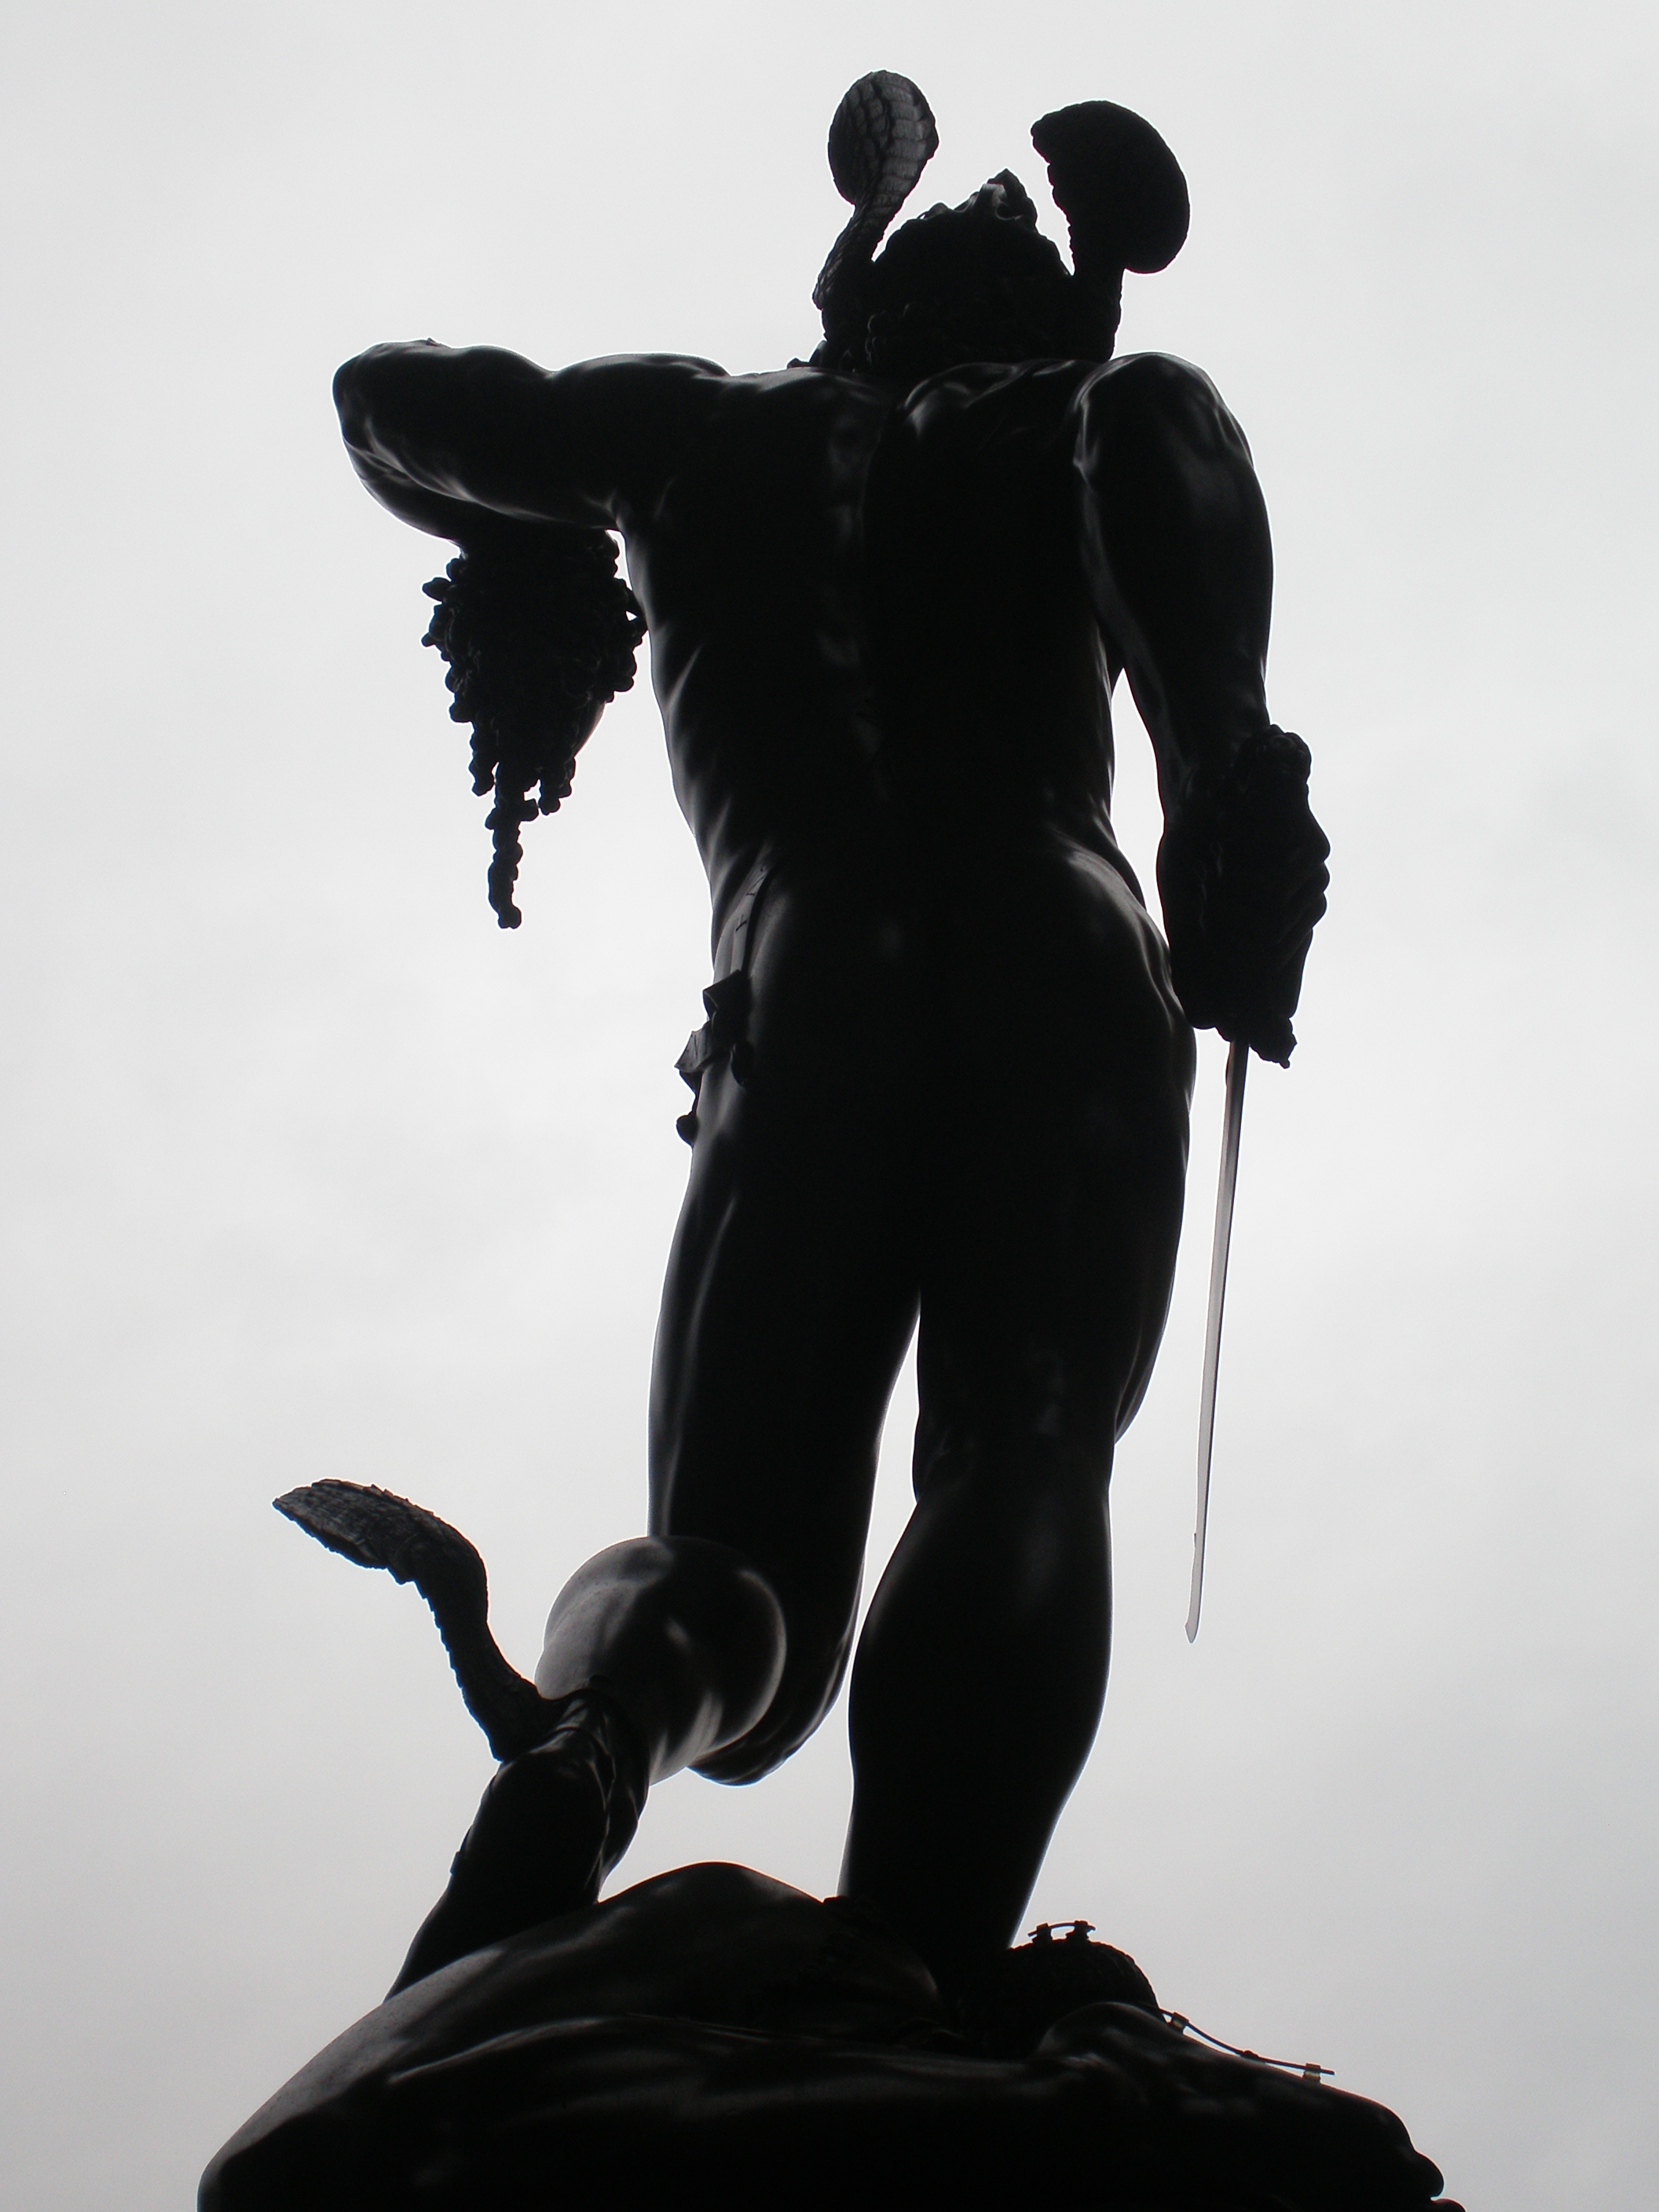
(715, 2037)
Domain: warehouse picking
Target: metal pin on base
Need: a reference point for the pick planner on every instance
(1238, 1060)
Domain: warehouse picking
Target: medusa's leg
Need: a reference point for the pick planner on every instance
(1050, 1242)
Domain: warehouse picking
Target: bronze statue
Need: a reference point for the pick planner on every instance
(947, 1061)
(943, 1078)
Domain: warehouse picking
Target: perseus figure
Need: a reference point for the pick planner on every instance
(944, 1077)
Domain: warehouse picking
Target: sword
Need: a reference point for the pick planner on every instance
(1238, 1059)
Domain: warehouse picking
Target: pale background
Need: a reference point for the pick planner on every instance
(309, 1170)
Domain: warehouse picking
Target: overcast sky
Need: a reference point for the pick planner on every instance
(309, 1170)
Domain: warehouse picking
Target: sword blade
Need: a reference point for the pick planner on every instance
(1238, 1060)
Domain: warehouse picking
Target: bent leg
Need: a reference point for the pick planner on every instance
(1054, 1220)
(720, 1639)
(688, 1636)
(657, 1652)
(791, 1290)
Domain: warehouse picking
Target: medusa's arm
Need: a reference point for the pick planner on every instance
(474, 444)
(1181, 566)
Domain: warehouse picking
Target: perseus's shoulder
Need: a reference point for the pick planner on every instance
(1152, 397)
(771, 435)
(668, 394)
(423, 387)
(800, 393)
(665, 378)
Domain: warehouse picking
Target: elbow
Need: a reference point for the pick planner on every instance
(366, 380)
(350, 399)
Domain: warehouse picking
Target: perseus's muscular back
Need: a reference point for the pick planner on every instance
(888, 590)
(870, 614)
(750, 564)
(874, 597)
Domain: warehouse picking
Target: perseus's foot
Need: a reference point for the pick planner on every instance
(549, 1826)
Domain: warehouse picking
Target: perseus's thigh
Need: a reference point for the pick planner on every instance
(791, 1289)
(1056, 1181)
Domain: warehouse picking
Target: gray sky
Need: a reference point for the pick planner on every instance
(309, 1170)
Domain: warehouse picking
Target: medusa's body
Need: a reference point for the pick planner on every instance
(945, 1070)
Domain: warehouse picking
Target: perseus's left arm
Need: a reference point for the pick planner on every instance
(527, 470)
(479, 444)
(1180, 564)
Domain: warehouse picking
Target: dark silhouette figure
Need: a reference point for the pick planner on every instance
(945, 1072)
(947, 1059)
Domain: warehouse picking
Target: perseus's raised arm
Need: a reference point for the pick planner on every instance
(1180, 565)
(527, 470)
(464, 444)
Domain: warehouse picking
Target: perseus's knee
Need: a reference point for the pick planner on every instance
(708, 1603)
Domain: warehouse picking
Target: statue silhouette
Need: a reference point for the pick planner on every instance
(943, 1078)
(945, 1075)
